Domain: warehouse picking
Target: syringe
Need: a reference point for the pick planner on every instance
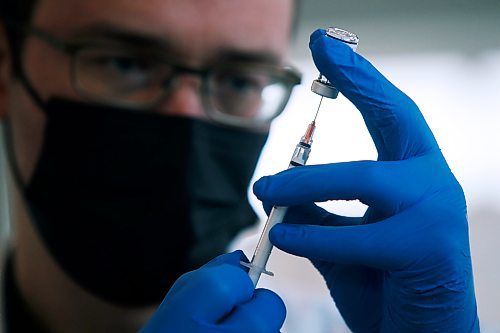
(264, 247)
(324, 88)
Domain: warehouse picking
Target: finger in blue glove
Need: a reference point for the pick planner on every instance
(218, 297)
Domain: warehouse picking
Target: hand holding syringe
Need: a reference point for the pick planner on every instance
(324, 88)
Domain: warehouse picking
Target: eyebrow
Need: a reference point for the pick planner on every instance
(249, 56)
(110, 33)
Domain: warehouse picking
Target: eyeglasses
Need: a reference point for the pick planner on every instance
(241, 94)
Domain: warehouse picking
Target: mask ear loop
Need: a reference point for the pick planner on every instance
(9, 138)
(35, 97)
(11, 155)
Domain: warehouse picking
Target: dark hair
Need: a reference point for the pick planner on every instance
(16, 13)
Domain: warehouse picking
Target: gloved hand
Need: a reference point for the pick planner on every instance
(405, 266)
(218, 297)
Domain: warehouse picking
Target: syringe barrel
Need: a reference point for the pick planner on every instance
(264, 247)
(277, 214)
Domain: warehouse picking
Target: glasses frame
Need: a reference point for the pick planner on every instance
(288, 75)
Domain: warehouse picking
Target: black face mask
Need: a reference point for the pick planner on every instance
(126, 202)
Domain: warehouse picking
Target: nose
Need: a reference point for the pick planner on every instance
(183, 98)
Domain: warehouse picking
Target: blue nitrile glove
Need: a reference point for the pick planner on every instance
(405, 266)
(218, 298)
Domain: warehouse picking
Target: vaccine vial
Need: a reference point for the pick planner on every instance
(321, 85)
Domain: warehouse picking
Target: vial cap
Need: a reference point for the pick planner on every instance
(324, 89)
(351, 39)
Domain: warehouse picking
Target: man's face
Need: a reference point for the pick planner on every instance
(198, 32)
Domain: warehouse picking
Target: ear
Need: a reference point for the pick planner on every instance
(5, 72)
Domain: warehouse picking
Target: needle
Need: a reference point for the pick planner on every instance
(307, 138)
(319, 106)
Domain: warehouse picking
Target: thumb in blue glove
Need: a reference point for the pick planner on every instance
(404, 266)
(218, 297)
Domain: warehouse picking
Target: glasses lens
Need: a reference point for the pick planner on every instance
(247, 94)
(120, 76)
